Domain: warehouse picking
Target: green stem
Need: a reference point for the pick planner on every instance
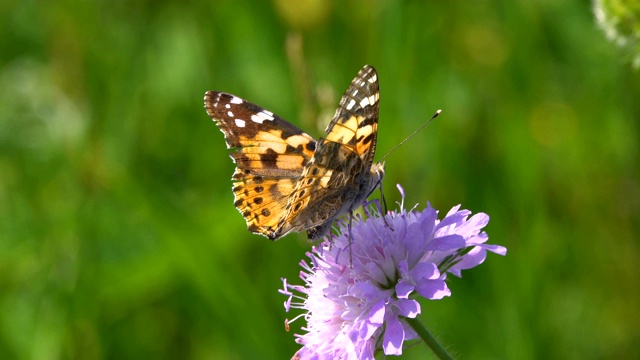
(426, 336)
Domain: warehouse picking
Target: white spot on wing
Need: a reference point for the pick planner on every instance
(240, 123)
(230, 113)
(350, 104)
(262, 116)
(227, 106)
(256, 119)
(235, 100)
(369, 100)
(373, 78)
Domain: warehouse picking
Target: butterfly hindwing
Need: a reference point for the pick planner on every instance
(261, 201)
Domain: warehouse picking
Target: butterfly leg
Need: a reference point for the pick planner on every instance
(350, 239)
(384, 204)
(330, 240)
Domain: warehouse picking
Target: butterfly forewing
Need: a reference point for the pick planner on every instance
(255, 130)
(355, 123)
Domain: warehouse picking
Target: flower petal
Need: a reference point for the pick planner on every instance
(433, 289)
(446, 243)
(404, 289)
(408, 308)
(425, 270)
(377, 312)
(393, 337)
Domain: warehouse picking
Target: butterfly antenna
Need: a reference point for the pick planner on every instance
(412, 135)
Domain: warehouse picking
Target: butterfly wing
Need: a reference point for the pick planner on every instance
(355, 124)
(338, 178)
(270, 155)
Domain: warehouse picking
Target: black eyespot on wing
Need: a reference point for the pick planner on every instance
(311, 146)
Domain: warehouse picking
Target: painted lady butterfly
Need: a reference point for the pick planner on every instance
(284, 179)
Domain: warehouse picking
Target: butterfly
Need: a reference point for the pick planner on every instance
(286, 181)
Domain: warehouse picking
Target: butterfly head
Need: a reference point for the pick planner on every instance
(378, 169)
(377, 174)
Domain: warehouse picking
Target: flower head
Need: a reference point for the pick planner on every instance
(357, 295)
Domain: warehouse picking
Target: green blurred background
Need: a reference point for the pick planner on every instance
(118, 235)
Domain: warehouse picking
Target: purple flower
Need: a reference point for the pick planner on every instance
(356, 298)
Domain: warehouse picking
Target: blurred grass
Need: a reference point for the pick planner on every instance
(118, 236)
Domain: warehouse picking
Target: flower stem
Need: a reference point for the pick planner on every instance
(426, 336)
